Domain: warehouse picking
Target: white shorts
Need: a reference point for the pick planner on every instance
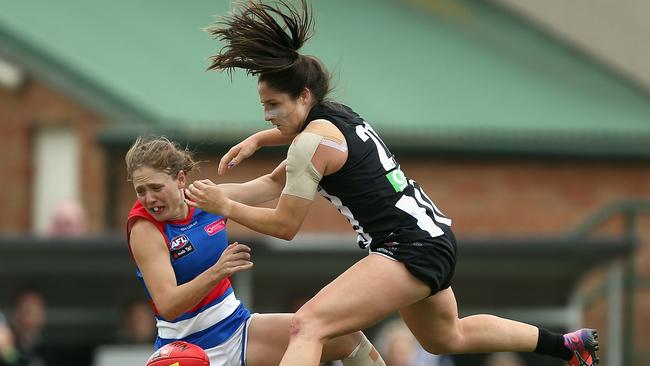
(233, 351)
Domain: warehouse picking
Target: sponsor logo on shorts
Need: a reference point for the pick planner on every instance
(215, 227)
(386, 251)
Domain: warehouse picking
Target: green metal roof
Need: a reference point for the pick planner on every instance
(456, 74)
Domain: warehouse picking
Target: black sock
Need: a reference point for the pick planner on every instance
(552, 344)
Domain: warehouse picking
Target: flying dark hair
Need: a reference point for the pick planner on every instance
(264, 40)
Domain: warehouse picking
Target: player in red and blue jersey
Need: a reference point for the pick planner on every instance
(184, 261)
(195, 244)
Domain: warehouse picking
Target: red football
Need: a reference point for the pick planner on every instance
(179, 353)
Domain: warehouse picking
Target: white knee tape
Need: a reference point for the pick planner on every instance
(364, 354)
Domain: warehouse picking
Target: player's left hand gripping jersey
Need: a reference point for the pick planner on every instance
(195, 244)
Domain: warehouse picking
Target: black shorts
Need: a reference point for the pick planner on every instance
(431, 260)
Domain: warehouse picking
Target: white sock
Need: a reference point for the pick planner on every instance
(364, 354)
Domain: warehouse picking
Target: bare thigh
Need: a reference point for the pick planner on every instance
(366, 293)
(268, 338)
(433, 320)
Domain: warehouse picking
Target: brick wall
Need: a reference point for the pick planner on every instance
(483, 196)
(21, 111)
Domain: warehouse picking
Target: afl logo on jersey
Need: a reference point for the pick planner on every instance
(180, 246)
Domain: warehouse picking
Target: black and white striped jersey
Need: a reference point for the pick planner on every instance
(371, 190)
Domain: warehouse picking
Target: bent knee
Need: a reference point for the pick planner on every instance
(305, 323)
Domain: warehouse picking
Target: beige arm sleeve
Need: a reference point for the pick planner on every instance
(302, 177)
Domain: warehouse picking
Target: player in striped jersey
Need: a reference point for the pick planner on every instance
(184, 261)
(334, 151)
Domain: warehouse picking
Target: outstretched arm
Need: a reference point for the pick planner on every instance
(307, 161)
(256, 191)
(246, 148)
(283, 221)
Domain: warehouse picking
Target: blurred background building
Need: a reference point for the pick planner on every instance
(527, 122)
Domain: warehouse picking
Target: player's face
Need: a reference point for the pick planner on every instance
(285, 113)
(160, 194)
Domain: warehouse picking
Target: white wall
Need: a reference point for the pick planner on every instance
(56, 172)
(617, 32)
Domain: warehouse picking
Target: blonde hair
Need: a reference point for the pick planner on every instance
(158, 153)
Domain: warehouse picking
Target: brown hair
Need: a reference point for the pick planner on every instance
(158, 153)
(264, 40)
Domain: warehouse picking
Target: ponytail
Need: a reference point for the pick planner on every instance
(256, 39)
(264, 40)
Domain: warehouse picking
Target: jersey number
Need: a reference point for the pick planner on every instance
(414, 204)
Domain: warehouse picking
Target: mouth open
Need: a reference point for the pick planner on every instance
(157, 209)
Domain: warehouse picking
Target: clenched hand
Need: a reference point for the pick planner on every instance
(207, 196)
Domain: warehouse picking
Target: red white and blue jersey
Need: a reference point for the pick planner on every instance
(195, 244)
